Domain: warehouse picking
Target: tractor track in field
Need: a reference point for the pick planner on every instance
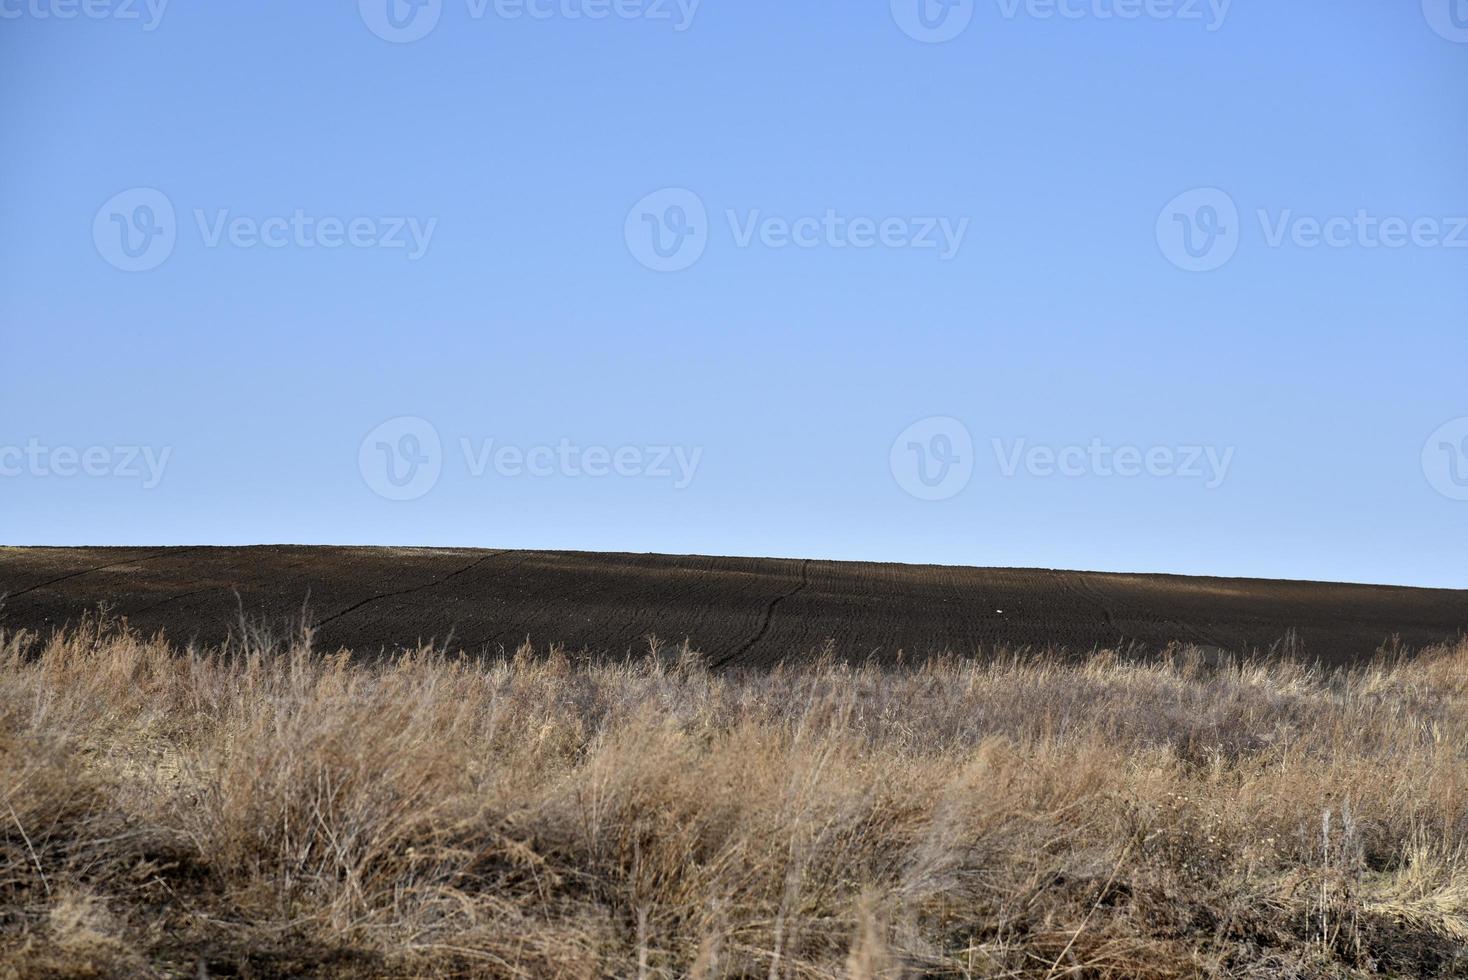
(409, 591)
(97, 568)
(769, 616)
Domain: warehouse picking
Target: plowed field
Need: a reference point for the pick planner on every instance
(738, 611)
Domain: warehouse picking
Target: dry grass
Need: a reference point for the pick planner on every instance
(262, 811)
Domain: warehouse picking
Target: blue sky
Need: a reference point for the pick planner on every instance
(1102, 284)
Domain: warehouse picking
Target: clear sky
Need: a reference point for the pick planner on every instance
(1134, 285)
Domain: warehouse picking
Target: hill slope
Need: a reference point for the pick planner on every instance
(738, 611)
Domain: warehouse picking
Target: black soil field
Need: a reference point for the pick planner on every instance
(738, 611)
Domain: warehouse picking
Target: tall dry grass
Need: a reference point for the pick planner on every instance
(269, 811)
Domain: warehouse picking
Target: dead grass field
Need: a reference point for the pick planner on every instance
(266, 810)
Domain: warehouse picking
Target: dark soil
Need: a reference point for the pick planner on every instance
(737, 611)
